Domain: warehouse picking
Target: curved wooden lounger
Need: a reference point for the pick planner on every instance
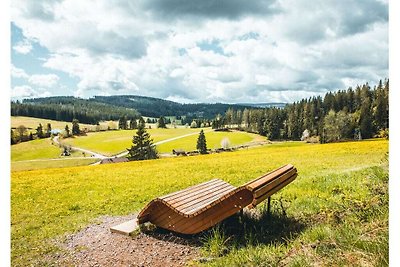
(199, 207)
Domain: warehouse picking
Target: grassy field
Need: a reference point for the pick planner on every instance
(335, 212)
(40, 154)
(36, 149)
(47, 164)
(213, 141)
(113, 142)
(33, 123)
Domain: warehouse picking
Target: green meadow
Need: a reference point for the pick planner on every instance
(334, 214)
(33, 123)
(35, 149)
(213, 139)
(110, 143)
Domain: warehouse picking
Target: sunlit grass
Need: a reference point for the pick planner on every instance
(113, 142)
(33, 123)
(213, 139)
(36, 149)
(46, 164)
(332, 178)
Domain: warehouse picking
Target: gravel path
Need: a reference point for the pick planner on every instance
(95, 245)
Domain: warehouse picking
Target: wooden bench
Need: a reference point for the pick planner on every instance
(199, 207)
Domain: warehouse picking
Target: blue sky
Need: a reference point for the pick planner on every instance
(209, 51)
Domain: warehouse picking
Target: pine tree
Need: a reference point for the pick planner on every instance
(122, 123)
(48, 130)
(39, 131)
(133, 123)
(142, 145)
(161, 122)
(67, 133)
(366, 119)
(202, 143)
(141, 123)
(12, 137)
(75, 127)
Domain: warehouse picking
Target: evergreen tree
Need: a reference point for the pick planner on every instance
(202, 143)
(366, 119)
(141, 123)
(75, 127)
(142, 145)
(67, 133)
(122, 123)
(12, 137)
(161, 122)
(48, 130)
(39, 131)
(380, 108)
(133, 123)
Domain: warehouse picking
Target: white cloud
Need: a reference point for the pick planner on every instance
(18, 73)
(44, 80)
(23, 47)
(25, 91)
(125, 48)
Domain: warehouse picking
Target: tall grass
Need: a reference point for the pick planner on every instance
(349, 232)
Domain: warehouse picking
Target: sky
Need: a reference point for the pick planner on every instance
(188, 51)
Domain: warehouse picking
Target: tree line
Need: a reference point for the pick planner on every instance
(358, 113)
(69, 108)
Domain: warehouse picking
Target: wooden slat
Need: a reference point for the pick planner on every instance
(264, 179)
(257, 201)
(205, 202)
(264, 175)
(178, 222)
(264, 189)
(177, 208)
(200, 193)
(189, 190)
(218, 213)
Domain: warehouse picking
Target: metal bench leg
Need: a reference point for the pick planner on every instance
(269, 206)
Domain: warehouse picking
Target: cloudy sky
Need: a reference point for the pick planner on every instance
(233, 51)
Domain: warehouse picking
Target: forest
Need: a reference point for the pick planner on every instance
(67, 108)
(359, 113)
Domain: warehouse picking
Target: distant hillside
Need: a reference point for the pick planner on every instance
(67, 108)
(264, 105)
(155, 107)
(99, 108)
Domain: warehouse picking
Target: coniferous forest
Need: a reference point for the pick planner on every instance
(359, 113)
(68, 108)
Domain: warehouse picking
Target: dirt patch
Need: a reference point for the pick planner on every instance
(95, 245)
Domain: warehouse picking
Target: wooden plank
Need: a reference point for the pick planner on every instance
(218, 212)
(197, 194)
(180, 223)
(264, 175)
(205, 202)
(189, 190)
(264, 189)
(257, 201)
(208, 194)
(259, 182)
